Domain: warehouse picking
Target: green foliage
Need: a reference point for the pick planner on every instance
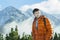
(26, 37)
(55, 37)
(30, 37)
(1, 36)
(59, 37)
(16, 28)
(13, 35)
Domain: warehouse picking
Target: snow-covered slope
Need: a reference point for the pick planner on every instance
(10, 14)
(25, 26)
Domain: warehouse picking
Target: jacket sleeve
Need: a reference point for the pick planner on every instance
(33, 29)
(49, 30)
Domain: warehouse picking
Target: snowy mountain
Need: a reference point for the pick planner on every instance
(28, 13)
(25, 26)
(10, 17)
(10, 14)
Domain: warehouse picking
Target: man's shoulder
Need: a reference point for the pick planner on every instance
(43, 16)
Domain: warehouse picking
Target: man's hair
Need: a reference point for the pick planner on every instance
(36, 9)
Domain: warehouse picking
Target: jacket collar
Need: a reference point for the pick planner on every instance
(41, 17)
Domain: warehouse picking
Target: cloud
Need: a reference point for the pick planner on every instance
(24, 8)
(50, 6)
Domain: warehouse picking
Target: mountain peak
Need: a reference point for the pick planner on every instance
(10, 7)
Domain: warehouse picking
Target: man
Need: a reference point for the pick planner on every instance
(41, 28)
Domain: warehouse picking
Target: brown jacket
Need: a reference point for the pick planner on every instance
(42, 33)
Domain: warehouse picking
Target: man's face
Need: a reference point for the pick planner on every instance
(37, 14)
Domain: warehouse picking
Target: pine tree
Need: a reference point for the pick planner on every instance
(19, 37)
(30, 37)
(13, 35)
(1, 36)
(59, 37)
(11, 29)
(7, 37)
(16, 28)
(55, 37)
(23, 37)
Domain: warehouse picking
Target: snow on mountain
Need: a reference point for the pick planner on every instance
(25, 26)
(56, 15)
(11, 11)
(27, 13)
(10, 14)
